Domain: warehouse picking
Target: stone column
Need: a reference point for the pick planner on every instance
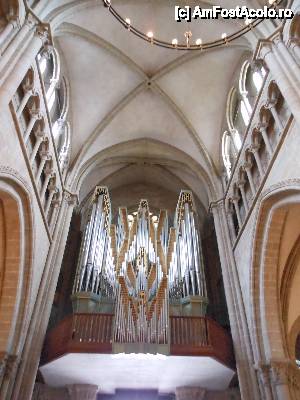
(286, 60)
(263, 130)
(247, 167)
(9, 81)
(254, 150)
(241, 185)
(190, 393)
(264, 379)
(29, 91)
(272, 107)
(231, 225)
(40, 138)
(238, 322)
(235, 200)
(281, 373)
(55, 204)
(48, 176)
(290, 91)
(82, 392)
(23, 384)
(35, 116)
(294, 45)
(52, 190)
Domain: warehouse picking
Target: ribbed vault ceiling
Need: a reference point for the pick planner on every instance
(167, 105)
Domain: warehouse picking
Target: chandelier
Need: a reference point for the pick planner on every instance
(187, 43)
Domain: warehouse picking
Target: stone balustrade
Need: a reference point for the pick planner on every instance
(270, 121)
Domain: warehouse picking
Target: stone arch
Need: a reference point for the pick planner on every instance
(15, 270)
(268, 335)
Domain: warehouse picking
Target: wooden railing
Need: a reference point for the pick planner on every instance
(93, 333)
(79, 333)
(200, 336)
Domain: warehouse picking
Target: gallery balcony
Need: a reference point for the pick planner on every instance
(199, 352)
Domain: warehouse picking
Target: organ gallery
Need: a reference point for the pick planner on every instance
(143, 268)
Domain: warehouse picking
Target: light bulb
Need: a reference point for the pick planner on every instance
(127, 20)
(224, 35)
(199, 42)
(174, 42)
(248, 21)
(150, 34)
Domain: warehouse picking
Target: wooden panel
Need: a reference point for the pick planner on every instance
(93, 333)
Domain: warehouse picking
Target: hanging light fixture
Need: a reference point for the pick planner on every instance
(187, 43)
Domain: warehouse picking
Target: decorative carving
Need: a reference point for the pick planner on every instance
(284, 372)
(8, 364)
(70, 198)
(263, 49)
(43, 32)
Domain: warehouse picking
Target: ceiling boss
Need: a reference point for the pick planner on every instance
(247, 19)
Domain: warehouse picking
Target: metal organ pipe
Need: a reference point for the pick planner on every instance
(140, 265)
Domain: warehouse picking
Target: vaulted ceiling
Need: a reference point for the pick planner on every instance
(133, 103)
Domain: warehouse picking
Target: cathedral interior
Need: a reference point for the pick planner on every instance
(149, 201)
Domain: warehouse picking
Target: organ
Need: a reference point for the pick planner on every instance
(143, 269)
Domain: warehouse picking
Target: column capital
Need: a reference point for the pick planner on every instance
(8, 363)
(35, 113)
(45, 155)
(293, 42)
(43, 32)
(263, 371)
(254, 148)
(284, 372)
(241, 182)
(82, 392)
(70, 198)
(260, 126)
(277, 38)
(216, 204)
(190, 393)
(264, 47)
(247, 165)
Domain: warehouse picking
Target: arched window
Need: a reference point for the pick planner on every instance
(57, 99)
(240, 103)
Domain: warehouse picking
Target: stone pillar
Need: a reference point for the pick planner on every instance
(247, 167)
(40, 138)
(241, 185)
(286, 59)
(231, 225)
(264, 379)
(9, 81)
(235, 200)
(272, 107)
(48, 175)
(82, 392)
(290, 91)
(281, 377)
(45, 156)
(35, 116)
(22, 386)
(29, 91)
(239, 327)
(263, 130)
(254, 150)
(52, 190)
(294, 45)
(190, 393)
